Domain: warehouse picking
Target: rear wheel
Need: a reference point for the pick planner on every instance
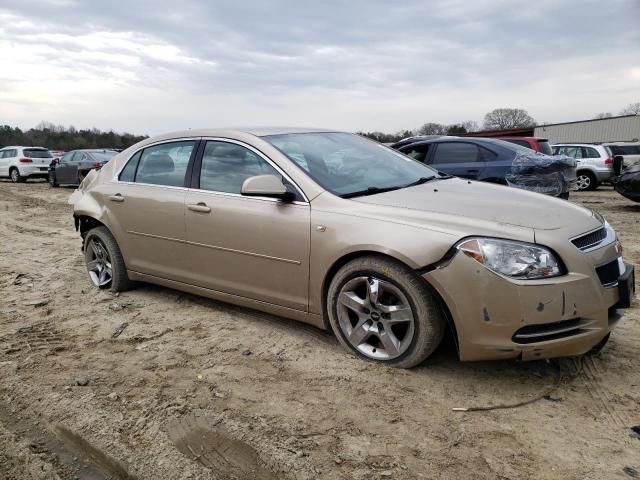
(15, 176)
(586, 181)
(104, 261)
(383, 312)
(52, 178)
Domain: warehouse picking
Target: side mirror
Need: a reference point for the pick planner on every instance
(266, 186)
(618, 164)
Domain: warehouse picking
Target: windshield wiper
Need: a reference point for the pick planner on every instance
(420, 181)
(369, 191)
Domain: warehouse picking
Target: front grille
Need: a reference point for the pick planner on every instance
(549, 331)
(609, 273)
(590, 240)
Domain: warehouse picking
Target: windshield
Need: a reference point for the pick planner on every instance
(36, 153)
(347, 164)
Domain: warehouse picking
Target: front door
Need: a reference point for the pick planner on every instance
(67, 169)
(253, 247)
(459, 159)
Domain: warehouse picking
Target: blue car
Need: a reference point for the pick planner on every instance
(496, 161)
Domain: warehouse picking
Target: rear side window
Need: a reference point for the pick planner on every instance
(128, 173)
(36, 153)
(225, 167)
(417, 152)
(456, 152)
(588, 152)
(625, 149)
(165, 164)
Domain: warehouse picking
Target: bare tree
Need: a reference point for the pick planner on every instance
(632, 109)
(432, 129)
(603, 115)
(504, 118)
(470, 126)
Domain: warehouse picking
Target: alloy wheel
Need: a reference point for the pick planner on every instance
(583, 182)
(99, 263)
(15, 175)
(375, 317)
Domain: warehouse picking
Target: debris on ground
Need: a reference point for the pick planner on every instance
(82, 381)
(36, 303)
(116, 333)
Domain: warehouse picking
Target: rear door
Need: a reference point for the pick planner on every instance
(145, 206)
(4, 163)
(458, 158)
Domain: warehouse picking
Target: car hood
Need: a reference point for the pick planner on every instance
(488, 203)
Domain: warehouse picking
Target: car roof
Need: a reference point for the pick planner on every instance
(255, 131)
(23, 147)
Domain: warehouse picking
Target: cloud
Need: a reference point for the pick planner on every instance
(354, 65)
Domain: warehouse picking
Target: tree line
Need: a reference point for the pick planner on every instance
(57, 137)
(497, 119)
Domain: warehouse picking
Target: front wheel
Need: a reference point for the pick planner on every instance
(104, 261)
(52, 179)
(383, 312)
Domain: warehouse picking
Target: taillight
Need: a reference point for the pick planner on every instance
(26, 160)
(97, 165)
(608, 161)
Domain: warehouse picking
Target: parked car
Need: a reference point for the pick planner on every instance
(495, 161)
(73, 166)
(627, 183)
(344, 233)
(21, 163)
(534, 143)
(595, 163)
(629, 151)
(415, 138)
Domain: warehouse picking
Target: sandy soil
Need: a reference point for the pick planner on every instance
(194, 388)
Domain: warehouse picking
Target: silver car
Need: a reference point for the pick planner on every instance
(595, 163)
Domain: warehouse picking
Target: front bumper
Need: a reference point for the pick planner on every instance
(498, 318)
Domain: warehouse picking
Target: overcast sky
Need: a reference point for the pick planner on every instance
(153, 66)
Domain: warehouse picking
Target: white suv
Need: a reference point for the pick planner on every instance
(595, 163)
(629, 151)
(20, 163)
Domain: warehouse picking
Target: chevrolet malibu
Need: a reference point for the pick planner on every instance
(335, 230)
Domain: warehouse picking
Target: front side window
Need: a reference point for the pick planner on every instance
(347, 164)
(456, 152)
(417, 152)
(164, 164)
(225, 167)
(66, 157)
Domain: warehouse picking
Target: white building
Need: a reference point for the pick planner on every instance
(625, 128)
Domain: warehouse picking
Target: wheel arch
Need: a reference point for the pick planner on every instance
(348, 257)
(84, 223)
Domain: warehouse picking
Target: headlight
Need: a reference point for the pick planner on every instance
(517, 260)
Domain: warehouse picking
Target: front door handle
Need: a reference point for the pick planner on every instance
(199, 207)
(116, 198)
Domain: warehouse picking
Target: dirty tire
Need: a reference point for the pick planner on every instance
(428, 319)
(15, 176)
(119, 278)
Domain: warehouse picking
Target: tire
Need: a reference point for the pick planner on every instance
(587, 181)
(564, 196)
(15, 176)
(96, 242)
(52, 178)
(371, 287)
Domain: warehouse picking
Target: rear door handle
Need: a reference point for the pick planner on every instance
(116, 198)
(199, 207)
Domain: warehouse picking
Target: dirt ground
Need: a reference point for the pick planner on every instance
(198, 389)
